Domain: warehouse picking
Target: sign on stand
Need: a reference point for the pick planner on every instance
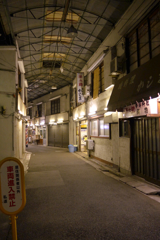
(12, 189)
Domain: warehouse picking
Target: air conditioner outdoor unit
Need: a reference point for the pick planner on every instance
(86, 91)
(116, 65)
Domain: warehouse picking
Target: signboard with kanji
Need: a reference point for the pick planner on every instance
(12, 187)
(80, 85)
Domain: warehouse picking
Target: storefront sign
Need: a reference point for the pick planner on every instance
(80, 85)
(12, 189)
(140, 108)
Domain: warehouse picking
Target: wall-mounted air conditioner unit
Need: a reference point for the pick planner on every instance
(86, 91)
(116, 65)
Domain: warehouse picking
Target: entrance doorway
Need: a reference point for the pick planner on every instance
(81, 135)
(146, 148)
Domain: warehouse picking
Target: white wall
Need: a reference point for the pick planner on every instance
(124, 154)
(46, 103)
(7, 89)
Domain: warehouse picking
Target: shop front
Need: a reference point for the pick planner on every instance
(144, 133)
(58, 130)
(137, 96)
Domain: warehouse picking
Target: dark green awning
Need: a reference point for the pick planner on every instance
(140, 84)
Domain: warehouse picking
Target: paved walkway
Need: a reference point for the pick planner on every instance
(70, 199)
(140, 184)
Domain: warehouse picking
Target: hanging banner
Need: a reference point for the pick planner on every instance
(26, 133)
(80, 85)
(12, 187)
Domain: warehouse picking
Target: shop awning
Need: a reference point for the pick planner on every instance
(137, 85)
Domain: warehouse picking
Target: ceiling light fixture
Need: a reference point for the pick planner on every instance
(72, 32)
(53, 87)
(61, 69)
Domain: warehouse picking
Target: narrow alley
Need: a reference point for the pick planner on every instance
(69, 199)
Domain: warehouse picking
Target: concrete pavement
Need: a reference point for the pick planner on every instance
(67, 198)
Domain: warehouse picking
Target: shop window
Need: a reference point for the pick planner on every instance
(55, 106)
(94, 127)
(124, 128)
(143, 43)
(39, 109)
(103, 128)
(99, 128)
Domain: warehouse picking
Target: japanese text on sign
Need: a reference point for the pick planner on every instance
(80, 85)
(12, 197)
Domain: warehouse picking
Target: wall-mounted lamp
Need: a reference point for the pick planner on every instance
(52, 122)
(82, 116)
(108, 113)
(42, 123)
(92, 113)
(112, 85)
(98, 61)
(60, 121)
(55, 97)
(39, 103)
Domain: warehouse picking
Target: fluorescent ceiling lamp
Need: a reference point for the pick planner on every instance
(39, 103)
(96, 63)
(112, 85)
(36, 85)
(53, 87)
(55, 97)
(54, 55)
(42, 81)
(49, 38)
(106, 109)
(21, 65)
(29, 107)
